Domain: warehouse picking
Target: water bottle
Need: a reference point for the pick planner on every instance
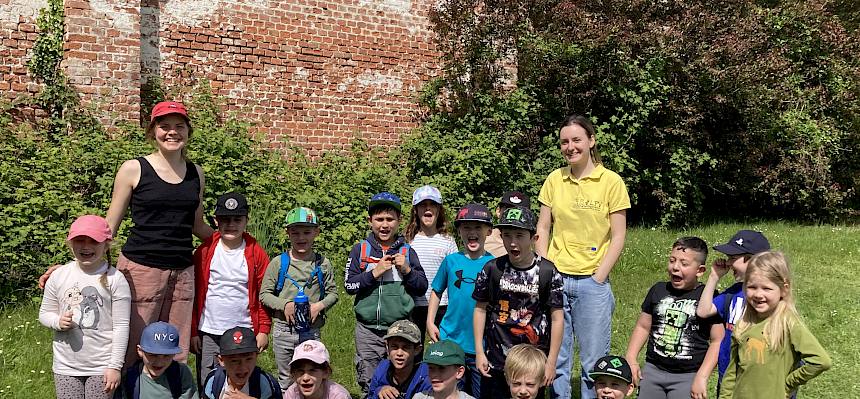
(303, 317)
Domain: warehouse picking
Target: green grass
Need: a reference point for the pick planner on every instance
(825, 262)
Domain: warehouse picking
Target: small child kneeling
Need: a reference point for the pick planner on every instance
(446, 364)
(311, 370)
(238, 375)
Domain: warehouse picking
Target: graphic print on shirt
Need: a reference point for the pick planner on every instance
(736, 310)
(460, 279)
(90, 305)
(674, 316)
(758, 346)
(521, 290)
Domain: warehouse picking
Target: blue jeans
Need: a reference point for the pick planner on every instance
(588, 308)
(471, 382)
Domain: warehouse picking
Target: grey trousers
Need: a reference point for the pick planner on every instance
(660, 384)
(369, 351)
(284, 340)
(210, 347)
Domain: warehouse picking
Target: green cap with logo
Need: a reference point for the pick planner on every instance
(302, 216)
(445, 353)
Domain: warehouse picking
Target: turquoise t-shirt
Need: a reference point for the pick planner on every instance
(457, 274)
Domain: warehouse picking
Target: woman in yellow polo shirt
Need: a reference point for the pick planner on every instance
(585, 206)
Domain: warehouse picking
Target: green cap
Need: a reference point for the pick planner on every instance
(302, 216)
(445, 353)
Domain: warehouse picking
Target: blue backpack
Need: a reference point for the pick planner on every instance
(284, 274)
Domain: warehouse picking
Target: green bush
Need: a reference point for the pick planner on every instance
(705, 108)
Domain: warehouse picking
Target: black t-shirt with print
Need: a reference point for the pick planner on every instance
(518, 316)
(679, 339)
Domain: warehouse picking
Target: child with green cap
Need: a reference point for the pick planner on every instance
(446, 363)
(298, 279)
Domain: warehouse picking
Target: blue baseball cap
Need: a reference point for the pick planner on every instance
(744, 242)
(426, 193)
(160, 338)
(384, 198)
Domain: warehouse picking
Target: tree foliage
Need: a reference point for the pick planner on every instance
(706, 108)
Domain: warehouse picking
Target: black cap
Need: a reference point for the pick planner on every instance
(744, 242)
(474, 213)
(238, 340)
(231, 204)
(518, 218)
(514, 198)
(613, 366)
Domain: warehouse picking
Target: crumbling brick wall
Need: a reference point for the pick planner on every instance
(312, 73)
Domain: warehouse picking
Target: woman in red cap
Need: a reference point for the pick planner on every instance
(165, 193)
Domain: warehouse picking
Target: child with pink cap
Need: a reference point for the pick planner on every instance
(311, 370)
(86, 303)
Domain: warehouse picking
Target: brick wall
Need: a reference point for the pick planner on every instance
(313, 73)
(17, 34)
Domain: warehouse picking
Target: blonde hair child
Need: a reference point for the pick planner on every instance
(771, 340)
(87, 304)
(524, 371)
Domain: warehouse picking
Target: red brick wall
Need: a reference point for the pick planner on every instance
(312, 73)
(17, 34)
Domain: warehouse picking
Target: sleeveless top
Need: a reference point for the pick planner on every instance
(162, 215)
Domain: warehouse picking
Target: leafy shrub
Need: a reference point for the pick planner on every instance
(705, 108)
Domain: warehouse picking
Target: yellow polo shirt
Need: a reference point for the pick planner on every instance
(580, 213)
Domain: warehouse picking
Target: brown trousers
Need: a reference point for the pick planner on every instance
(158, 295)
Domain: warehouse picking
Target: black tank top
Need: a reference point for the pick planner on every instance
(163, 216)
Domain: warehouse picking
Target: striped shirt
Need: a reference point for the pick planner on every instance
(431, 251)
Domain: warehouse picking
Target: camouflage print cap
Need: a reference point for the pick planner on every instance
(404, 329)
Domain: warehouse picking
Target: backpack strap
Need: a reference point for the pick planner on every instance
(174, 379)
(219, 378)
(365, 255)
(319, 273)
(282, 273)
(404, 250)
(132, 381)
(254, 381)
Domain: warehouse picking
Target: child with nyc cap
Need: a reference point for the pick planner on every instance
(682, 348)
(612, 377)
(729, 305)
(311, 371)
(228, 272)
(156, 375)
(238, 376)
(400, 376)
(524, 371)
(519, 301)
(446, 366)
(456, 276)
(384, 274)
(305, 270)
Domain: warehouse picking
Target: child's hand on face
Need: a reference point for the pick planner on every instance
(66, 322)
(290, 312)
(388, 392)
(720, 268)
(385, 264)
(316, 309)
(111, 380)
(233, 393)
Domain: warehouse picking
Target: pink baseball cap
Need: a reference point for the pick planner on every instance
(311, 350)
(167, 108)
(92, 226)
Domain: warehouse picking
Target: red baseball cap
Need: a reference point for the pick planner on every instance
(167, 108)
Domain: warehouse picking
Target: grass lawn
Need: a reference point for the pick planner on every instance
(825, 261)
